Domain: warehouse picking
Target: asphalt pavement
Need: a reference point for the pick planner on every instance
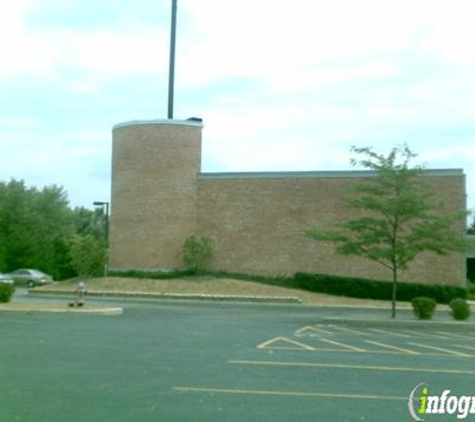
(213, 361)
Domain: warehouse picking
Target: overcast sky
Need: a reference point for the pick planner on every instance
(280, 85)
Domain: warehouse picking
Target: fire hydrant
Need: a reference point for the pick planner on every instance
(80, 298)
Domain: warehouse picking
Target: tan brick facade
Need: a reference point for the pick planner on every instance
(255, 220)
(154, 186)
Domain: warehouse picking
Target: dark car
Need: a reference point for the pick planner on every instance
(29, 277)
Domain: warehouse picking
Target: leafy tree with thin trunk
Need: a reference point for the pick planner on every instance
(397, 215)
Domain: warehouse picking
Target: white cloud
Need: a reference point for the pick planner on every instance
(281, 85)
(80, 162)
(20, 50)
(278, 42)
(113, 53)
(462, 153)
(26, 51)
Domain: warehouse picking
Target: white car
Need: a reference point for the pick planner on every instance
(30, 277)
(5, 279)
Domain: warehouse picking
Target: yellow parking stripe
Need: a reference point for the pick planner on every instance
(469, 334)
(450, 335)
(353, 367)
(348, 330)
(311, 332)
(464, 347)
(440, 349)
(344, 345)
(318, 327)
(289, 344)
(390, 333)
(388, 346)
(422, 334)
(286, 393)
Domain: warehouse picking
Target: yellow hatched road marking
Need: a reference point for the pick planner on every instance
(412, 333)
(421, 334)
(440, 349)
(311, 332)
(388, 346)
(344, 345)
(348, 330)
(286, 393)
(317, 327)
(379, 331)
(294, 345)
(457, 336)
(354, 367)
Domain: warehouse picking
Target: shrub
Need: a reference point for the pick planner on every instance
(371, 289)
(6, 292)
(424, 307)
(460, 309)
(197, 253)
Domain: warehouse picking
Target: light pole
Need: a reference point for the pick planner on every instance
(171, 73)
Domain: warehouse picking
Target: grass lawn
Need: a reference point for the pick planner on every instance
(213, 286)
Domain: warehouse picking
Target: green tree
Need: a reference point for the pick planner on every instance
(39, 230)
(89, 222)
(88, 249)
(397, 215)
(197, 253)
(53, 226)
(35, 226)
(471, 228)
(88, 255)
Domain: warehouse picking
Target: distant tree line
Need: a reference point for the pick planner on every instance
(39, 230)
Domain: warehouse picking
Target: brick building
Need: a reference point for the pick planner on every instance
(255, 220)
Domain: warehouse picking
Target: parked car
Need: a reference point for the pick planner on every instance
(4, 278)
(29, 277)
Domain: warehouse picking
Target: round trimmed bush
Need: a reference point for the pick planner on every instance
(6, 292)
(423, 307)
(460, 309)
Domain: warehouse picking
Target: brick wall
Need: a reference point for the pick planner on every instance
(256, 221)
(257, 225)
(153, 193)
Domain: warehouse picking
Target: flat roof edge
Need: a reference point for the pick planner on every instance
(316, 174)
(158, 122)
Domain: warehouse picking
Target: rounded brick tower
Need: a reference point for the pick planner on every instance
(155, 165)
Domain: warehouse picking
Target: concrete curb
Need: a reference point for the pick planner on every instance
(180, 296)
(87, 310)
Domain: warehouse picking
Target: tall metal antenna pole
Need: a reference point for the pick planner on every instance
(171, 74)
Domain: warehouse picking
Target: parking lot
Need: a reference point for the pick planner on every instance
(181, 361)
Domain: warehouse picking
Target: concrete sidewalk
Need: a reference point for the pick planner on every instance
(58, 308)
(179, 296)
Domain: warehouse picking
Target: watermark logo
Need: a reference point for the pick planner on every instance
(422, 403)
